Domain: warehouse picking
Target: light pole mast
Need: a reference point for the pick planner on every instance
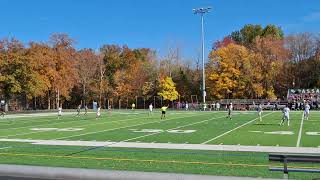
(202, 11)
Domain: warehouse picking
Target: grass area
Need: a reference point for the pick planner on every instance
(136, 126)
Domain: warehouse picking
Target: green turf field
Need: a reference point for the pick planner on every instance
(128, 140)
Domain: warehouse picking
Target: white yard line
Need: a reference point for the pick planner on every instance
(122, 127)
(300, 132)
(233, 129)
(171, 129)
(238, 148)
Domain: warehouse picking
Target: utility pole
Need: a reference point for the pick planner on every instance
(201, 12)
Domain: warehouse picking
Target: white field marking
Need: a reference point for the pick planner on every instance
(161, 130)
(313, 133)
(57, 129)
(241, 148)
(256, 131)
(5, 147)
(234, 129)
(300, 131)
(280, 132)
(46, 114)
(170, 129)
(29, 121)
(85, 125)
(66, 137)
(69, 122)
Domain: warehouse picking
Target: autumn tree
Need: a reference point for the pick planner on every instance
(86, 63)
(168, 89)
(272, 55)
(66, 74)
(226, 71)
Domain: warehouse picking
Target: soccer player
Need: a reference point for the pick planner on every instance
(217, 106)
(259, 109)
(109, 109)
(59, 112)
(163, 111)
(85, 110)
(2, 114)
(98, 113)
(230, 107)
(133, 106)
(150, 109)
(2, 111)
(187, 106)
(306, 111)
(285, 116)
(78, 110)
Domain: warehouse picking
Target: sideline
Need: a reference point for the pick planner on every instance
(41, 172)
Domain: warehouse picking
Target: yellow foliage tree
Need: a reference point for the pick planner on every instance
(236, 72)
(168, 90)
(228, 69)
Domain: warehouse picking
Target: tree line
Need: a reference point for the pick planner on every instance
(253, 62)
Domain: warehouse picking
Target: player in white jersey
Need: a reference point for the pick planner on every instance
(259, 109)
(218, 106)
(285, 116)
(150, 109)
(98, 113)
(187, 106)
(109, 109)
(230, 107)
(78, 110)
(306, 111)
(59, 112)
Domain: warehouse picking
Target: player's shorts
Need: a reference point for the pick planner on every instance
(59, 114)
(98, 114)
(163, 112)
(260, 112)
(229, 112)
(306, 112)
(150, 110)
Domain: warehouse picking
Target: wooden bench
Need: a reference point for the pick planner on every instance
(294, 158)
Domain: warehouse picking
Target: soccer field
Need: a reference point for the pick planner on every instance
(183, 142)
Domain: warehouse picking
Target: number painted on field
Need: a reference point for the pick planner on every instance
(280, 132)
(181, 131)
(313, 133)
(161, 130)
(275, 132)
(57, 129)
(148, 131)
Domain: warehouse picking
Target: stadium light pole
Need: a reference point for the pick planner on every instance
(201, 12)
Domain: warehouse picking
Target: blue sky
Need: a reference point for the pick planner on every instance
(157, 24)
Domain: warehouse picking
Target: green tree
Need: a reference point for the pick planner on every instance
(246, 36)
